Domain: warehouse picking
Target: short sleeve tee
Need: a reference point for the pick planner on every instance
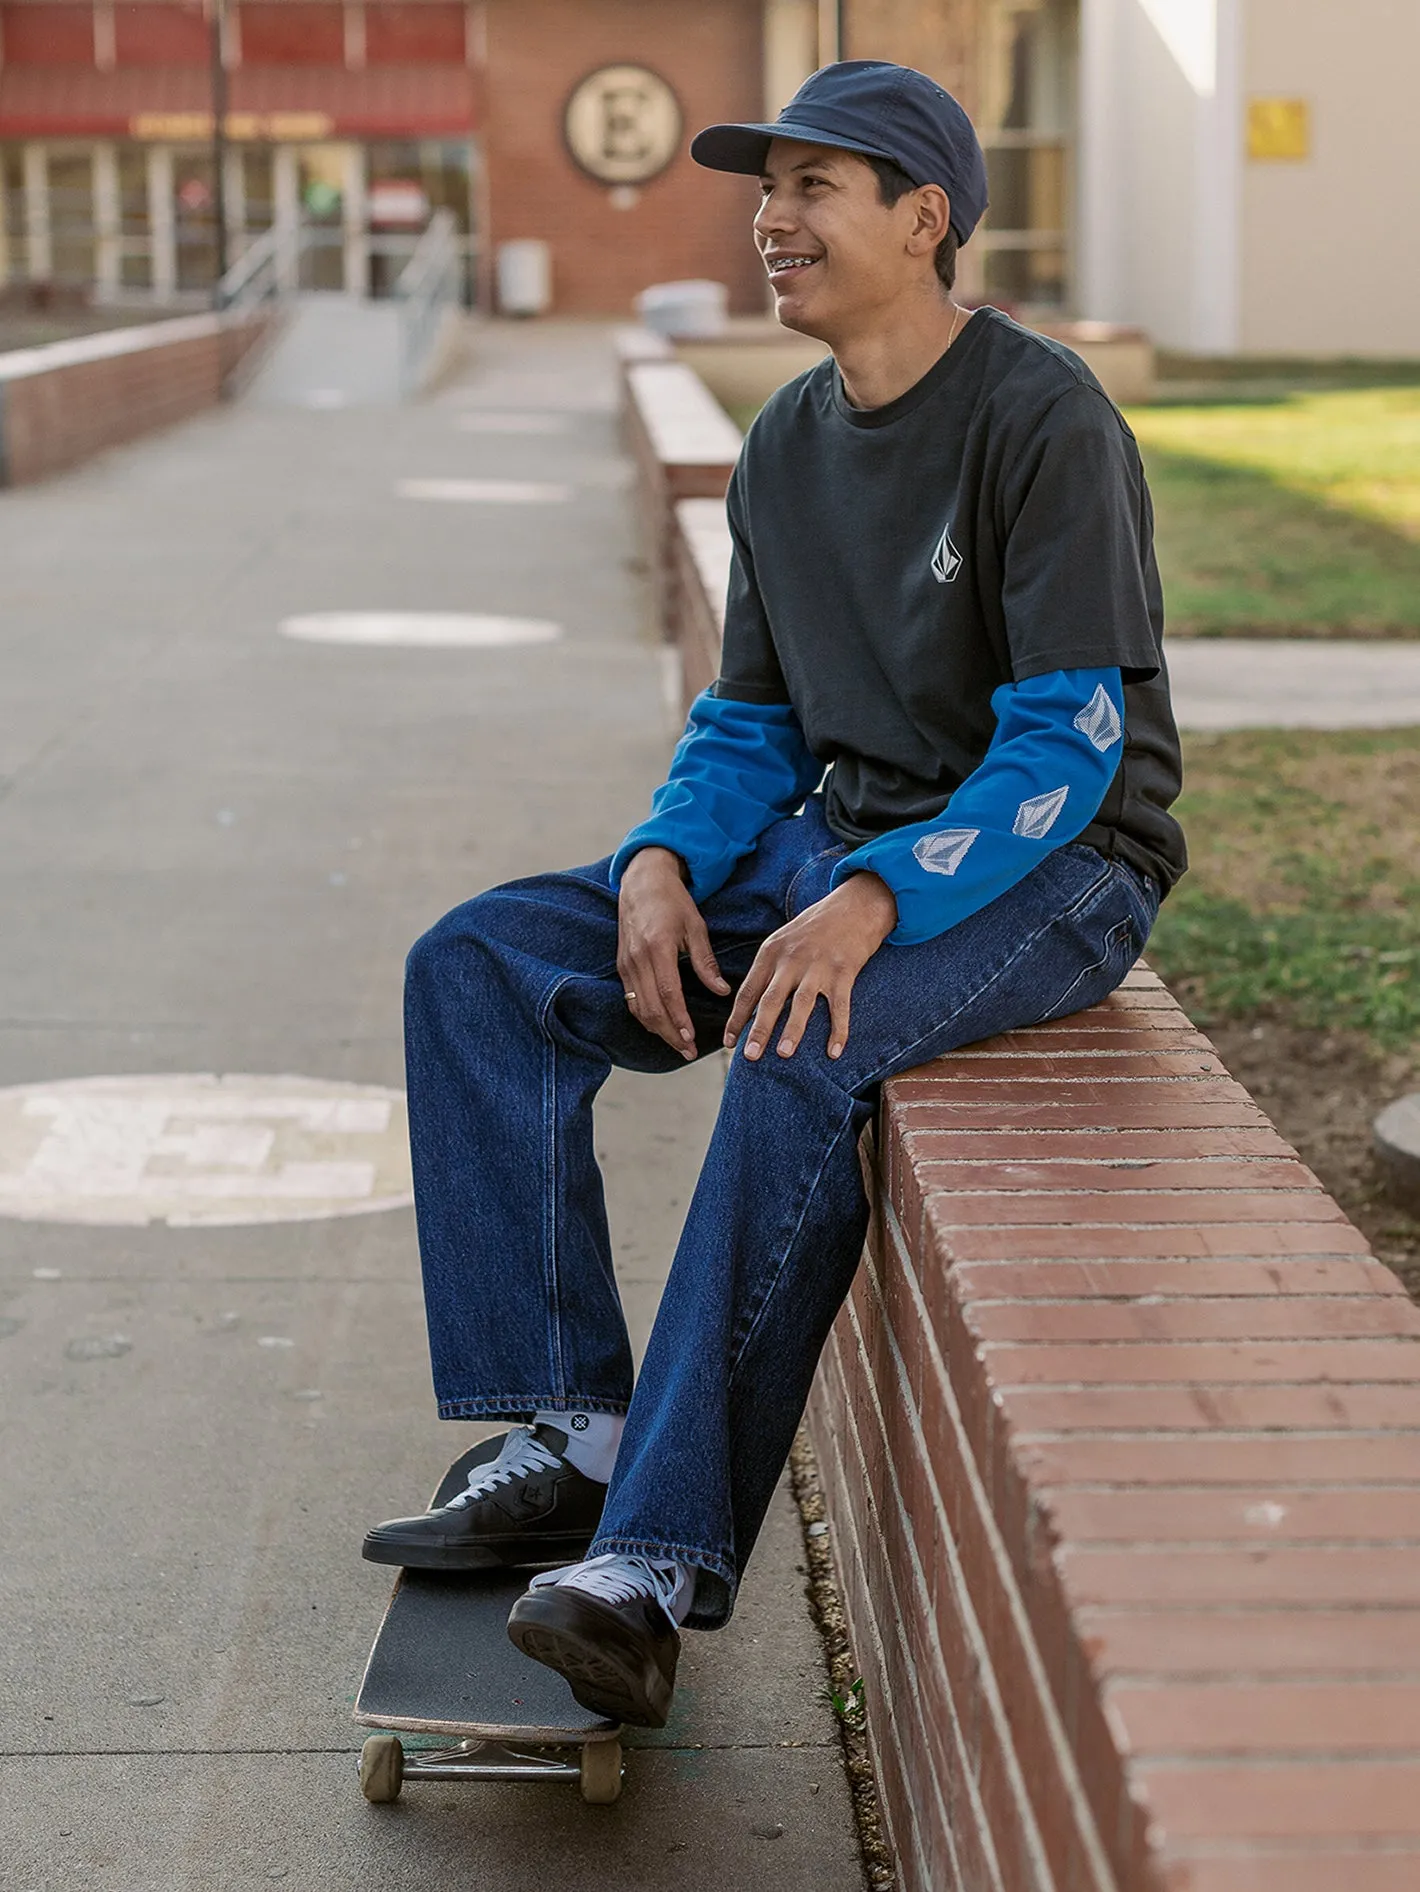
(894, 566)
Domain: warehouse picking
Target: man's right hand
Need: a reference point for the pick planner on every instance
(657, 922)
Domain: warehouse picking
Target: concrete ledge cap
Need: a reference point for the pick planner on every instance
(21, 363)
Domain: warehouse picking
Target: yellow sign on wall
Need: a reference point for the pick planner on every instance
(1278, 130)
(196, 127)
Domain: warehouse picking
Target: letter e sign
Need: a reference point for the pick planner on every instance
(623, 124)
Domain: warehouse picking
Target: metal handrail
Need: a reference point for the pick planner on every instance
(267, 269)
(429, 285)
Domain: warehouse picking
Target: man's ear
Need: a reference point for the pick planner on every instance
(931, 221)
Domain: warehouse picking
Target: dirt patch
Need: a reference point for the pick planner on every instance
(1323, 1091)
(845, 1689)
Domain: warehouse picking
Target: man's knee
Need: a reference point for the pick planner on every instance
(559, 917)
(451, 941)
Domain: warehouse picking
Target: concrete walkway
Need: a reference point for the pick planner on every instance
(1294, 683)
(216, 843)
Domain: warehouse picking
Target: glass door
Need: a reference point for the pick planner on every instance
(14, 245)
(135, 249)
(321, 174)
(194, 220)
(71, 217)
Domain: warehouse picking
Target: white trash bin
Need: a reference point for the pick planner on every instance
(691, 308)
(524, 277)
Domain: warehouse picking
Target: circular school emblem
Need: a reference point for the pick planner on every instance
(623, 124)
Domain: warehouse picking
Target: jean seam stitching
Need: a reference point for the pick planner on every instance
(737, 1352)
(712, 1560)
(550, 1260)
(1067, 913)
(525, 1402)
(799, 872)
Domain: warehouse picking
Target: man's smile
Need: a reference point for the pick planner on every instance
(781, 262)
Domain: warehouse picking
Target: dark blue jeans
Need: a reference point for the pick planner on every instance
(514, 1018)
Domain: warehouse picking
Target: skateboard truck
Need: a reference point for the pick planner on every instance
(385, 1765)
(443, 1667)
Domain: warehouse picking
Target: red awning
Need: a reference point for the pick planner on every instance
(173, 104)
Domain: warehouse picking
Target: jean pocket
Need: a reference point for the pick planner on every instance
(1119, 949)
(815, 861)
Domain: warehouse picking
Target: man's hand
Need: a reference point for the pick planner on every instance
(818, 954)
(657, 922)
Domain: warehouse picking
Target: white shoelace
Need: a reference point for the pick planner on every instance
(521, 1454)
(617, 1578)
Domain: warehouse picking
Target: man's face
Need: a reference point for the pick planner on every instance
(834, 251)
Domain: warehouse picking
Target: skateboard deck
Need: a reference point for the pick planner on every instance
(442, 1664)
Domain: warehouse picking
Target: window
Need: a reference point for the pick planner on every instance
(1028, 75)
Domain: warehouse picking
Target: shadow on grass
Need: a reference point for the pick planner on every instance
(1243, 555)
(1223, 380)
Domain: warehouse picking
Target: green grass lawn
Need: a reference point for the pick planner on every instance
(1303, 901)
(1287, 505)
(1291, 514)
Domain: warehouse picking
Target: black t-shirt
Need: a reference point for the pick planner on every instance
(895, 565)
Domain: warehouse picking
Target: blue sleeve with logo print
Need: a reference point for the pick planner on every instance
(738, 767)
(1056, 750)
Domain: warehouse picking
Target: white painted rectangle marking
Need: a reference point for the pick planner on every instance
(486, 492)
(514, 423)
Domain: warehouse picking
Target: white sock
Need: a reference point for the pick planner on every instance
(592, 1439)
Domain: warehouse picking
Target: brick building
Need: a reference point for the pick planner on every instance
(1196, 166)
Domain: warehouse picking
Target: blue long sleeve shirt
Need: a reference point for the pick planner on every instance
(740, 766)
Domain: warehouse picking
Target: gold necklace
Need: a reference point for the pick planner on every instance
(960, 312)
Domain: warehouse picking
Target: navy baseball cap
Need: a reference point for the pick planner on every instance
(880, 111)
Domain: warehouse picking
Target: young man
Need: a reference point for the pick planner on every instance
(944, 594)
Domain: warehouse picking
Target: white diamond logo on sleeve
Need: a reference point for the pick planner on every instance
(1099, 720)
(946, 560)
(944, 853)
(1038, 814)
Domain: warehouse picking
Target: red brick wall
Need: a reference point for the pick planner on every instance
(57, 35)
(430, 34)
(1118, 1434)
(147, 34)
(292, 33)
(56, 419)
(687, 222)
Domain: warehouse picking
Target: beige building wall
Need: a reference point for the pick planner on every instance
(791, 50)
(1330, 260)
(939, 37)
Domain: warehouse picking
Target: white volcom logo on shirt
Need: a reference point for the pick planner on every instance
(1099, 720)
(944, 852)
(946, 560)
(1038, 814)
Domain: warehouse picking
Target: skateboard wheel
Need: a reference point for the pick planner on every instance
(381, 1767)
(601, 1773)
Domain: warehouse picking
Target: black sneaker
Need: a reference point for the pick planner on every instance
(526, 1506)
(606, 1625)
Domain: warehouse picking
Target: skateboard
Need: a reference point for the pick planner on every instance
(442, 1664)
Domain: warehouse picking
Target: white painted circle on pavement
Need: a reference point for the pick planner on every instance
(487, 492)
(432, 630)
(507, 423)
(201, 1151)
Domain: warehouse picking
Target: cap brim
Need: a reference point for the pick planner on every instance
(745, 148)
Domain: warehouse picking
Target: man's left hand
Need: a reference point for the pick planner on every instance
(818, 955)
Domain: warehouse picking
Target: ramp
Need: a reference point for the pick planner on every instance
(333, 351)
